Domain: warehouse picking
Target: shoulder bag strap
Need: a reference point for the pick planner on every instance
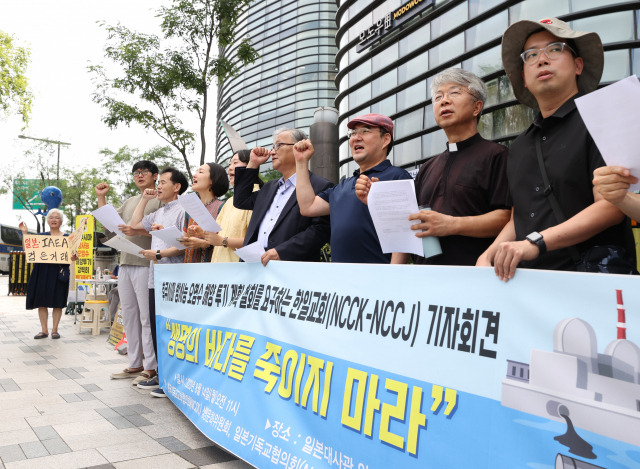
(548, 192)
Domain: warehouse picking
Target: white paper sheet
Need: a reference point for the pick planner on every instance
(251, 252)
(611, 115)
(192, 204)
(170, 236)
(109, 218)
(390, 204)
(124, 245)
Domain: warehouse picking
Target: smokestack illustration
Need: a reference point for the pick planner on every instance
(622, 322)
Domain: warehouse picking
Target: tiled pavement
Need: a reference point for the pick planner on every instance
(59, 409)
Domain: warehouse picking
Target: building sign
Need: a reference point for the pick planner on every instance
(390, 21)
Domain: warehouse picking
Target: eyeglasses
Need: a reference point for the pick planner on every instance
(453, 93)
(143, 172)
(552, 51)
(362, 131)
(277, 146)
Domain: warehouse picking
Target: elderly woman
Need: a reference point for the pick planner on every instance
(48, 283)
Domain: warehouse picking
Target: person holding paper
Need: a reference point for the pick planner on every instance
(613, 182)
(134, 275)
(234, 222)
(553, 224)
(48, 283)
(466, 186)
(209, 182)
(276, 222)
(171, 183)
(353, 236)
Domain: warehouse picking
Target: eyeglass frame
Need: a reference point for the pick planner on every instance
(277, 146)
(361, 131)
(563, 45)
(140, 172)
(460, 87)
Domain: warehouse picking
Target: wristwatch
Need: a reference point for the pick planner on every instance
(537, 239)
(158, 256)
(225, 242)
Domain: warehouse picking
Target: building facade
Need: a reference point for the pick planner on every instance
(389, 51)
(294, 75)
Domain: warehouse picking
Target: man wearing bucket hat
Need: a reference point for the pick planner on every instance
(353, 236)
(557, 214)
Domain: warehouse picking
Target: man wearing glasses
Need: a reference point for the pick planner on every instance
(133, 276)
(276, 222)
(353, 236)
(549, 65)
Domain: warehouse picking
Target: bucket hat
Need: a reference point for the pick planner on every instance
(588, 45)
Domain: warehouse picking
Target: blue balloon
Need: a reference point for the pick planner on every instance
(51, 196)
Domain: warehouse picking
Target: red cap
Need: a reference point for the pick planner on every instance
(375, 120)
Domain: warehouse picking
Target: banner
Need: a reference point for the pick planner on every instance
(84, 264)
(45, 249)
(313, 365)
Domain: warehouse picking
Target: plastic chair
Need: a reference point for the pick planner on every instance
(95, 316)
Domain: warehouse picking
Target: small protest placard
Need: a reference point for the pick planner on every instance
(44, 249)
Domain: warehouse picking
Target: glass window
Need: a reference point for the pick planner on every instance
(485, 126)
(414, 67)
(343, 105)
(480, 6)
(635, 58)
(415, 40)
(408, 124)
(585, 4)
(448, 21)
(434, 143)
(429, 118)
(384, 83)
(492, 93)
(343, 153)
(360, 95)
(512, 120)
(505, 90)
(384, 58)
(483, 64)
(534, 9)
(616, 65)
(413, 95)
(386, 107)
(487, 30)
(613, 27)
(362, 24)
(360, 73)
(446, 51)
(407, 152)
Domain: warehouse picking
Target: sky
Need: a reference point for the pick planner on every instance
(64, 38)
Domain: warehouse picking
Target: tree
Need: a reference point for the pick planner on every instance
(158, 85)
(15, 95)
(77, 184)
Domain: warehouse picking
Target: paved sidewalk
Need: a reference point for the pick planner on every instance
(59, 409)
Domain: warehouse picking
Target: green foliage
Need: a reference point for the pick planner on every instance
(158, 84)
(271, 175)
(15, 95)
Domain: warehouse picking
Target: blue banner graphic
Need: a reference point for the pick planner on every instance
(301, 365)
